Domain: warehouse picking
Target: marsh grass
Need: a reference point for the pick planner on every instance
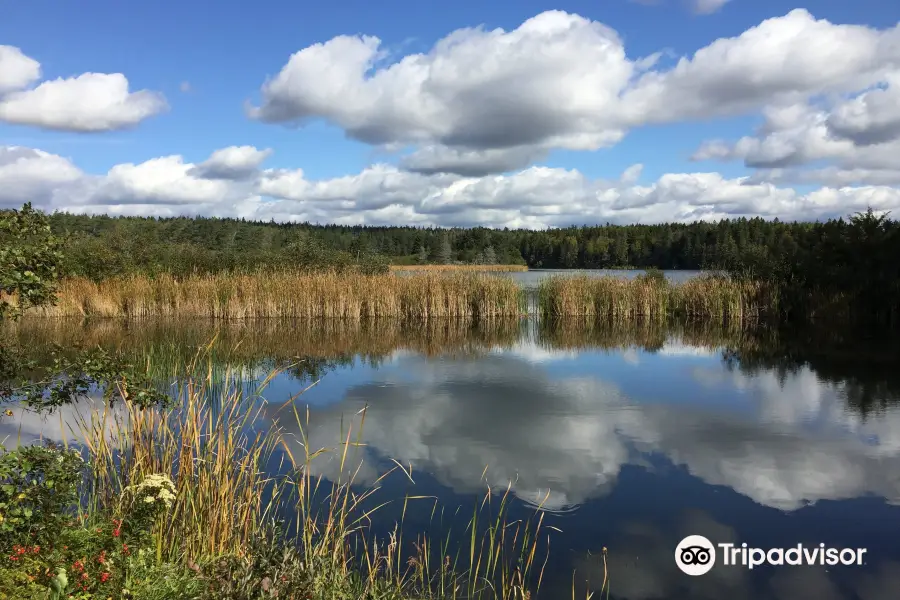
(413, 296)
(236, 473)
(291, 295)
(616, 299)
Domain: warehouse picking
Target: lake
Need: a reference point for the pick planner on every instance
(531, 279)
(631, 436)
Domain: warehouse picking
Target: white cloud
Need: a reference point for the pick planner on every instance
(234, 162)
(90, 102)
(860, 138)
(552, 82)
(871, 118)
(470, 163)
(787, 58)
(28, 175)
(563, 81)
(230, 183)
(16, 70)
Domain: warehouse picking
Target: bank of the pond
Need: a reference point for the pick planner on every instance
(418, 296)
(185, 503)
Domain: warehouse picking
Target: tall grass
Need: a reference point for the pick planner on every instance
(236, 471)
(612, 298)
(291, 295)
(415, 296)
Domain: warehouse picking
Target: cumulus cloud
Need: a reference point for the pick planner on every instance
(17, 70)
(871, 118)
(470, 163)
(234, 162)
(28, 175)
(231, 182)
(90, 102)
(560, 80)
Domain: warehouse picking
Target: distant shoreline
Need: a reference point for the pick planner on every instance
(510, 268)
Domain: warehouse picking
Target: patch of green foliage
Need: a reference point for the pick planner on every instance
(29, 260)
(838, 270)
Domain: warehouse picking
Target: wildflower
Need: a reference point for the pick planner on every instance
(125, 549)
(36, 549)
(104, 577)
(116, 532)
(8, 412)
(102, 558)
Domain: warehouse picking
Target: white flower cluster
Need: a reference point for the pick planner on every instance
(154, 488)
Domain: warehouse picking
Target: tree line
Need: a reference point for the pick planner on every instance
(832, 268)
(191, 241)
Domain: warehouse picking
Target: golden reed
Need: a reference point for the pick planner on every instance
(290, 295)
(416, 296)
(613, 298)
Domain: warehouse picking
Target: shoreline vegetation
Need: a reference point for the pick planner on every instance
(187, 505)
(414, 296)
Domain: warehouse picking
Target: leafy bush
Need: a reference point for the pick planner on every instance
(29, 260)
(48, 549)
(38, 491)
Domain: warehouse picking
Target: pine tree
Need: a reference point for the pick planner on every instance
(445, 251)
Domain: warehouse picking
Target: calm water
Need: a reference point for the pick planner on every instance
(636, 437)
(530, 279)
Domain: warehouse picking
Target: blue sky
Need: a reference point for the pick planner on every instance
(209, 62)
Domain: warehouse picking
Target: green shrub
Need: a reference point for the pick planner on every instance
(38, 492)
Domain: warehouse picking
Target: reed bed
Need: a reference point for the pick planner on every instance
(228, 495)
(291, 295)
(414, 296)
(481, 268)
(612, 298)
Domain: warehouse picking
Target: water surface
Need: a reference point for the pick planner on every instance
(631, 437)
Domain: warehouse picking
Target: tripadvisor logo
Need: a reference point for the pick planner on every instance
(696, 555)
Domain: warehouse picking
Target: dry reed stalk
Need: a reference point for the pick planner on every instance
(612, 298)
(291, 295)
